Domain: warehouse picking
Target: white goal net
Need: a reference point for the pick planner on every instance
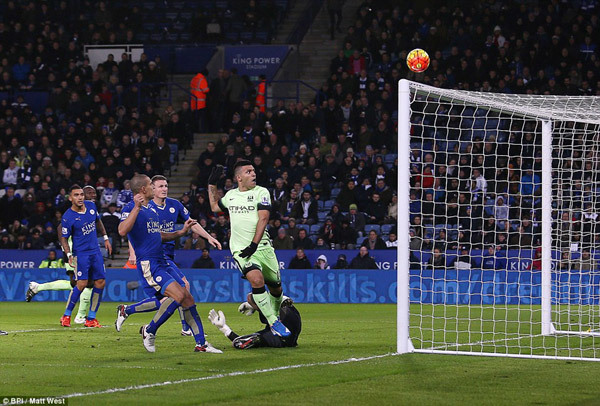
(499, 197)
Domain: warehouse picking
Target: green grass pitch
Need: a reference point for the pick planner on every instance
(65, 361)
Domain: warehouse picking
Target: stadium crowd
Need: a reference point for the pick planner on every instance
(330, 163)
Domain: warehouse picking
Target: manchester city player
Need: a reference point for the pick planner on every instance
(249, 207)
(141, 224)
(79, 222)
(169, 212)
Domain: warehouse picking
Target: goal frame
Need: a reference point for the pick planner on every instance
(404, 343)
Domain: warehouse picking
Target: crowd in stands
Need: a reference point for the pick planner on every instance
(331, 162)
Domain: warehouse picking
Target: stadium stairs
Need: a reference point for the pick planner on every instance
(317, 49)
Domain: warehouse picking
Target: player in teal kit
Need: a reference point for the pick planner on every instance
(249, 207)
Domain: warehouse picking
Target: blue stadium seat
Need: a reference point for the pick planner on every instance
(157, 37)
(360, 240)
(185, 15)
(185, 36)
(334, 192)
(178, 5)
(246, 35)
(314, 229)
(304, 226)
(370, 227)
(179, 26)
(313, 238)
(149, 26)
(148, 5)
(386, 228)
(172, 37)
(262, 36)
(171, 15)
(141, 36)
(322, 216)
(321, 204)
(329, 204)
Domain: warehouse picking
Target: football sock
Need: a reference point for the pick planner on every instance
(95, 302)
(276, 302)
(55, 285)
(192, 318)
(184, 325)
(73, 298)
(147, 305)
(84, 302)
(263, 301)
(166, 310)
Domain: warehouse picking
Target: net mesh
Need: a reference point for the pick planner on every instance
(476, 232)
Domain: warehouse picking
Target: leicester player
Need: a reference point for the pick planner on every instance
(79, 222)
(34, 288)
(264, 338)
(249, 207)
(141, 223)
(170, 211)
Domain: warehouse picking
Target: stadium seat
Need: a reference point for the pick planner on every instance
(185, 15)
(360, 240)
(171, 16)
(313, 238)
(334, 192)
(304, 226)
(370, 227)
(322, 215)
(178, 5)
(185, 36)
(321, 204)
(314, 229)
(329, 204)
(386, 228)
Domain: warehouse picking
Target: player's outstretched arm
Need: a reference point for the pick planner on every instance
(216, 174)
(218, 320)
(197, 228)
(179, 233)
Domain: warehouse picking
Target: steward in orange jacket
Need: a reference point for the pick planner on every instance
(199, 89)
(261, 94)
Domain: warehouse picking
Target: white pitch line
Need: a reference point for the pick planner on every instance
(218, 376)
(48, 329)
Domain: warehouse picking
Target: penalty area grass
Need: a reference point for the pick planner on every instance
(101, 366)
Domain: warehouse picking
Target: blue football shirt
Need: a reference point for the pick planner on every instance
(168, 214)
(82, 227)
(145, 234)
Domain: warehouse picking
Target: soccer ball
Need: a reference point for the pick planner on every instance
(417, 60)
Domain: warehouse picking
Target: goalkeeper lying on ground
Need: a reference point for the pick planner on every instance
(288, 314)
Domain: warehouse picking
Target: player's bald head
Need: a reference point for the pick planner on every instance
(138, 182)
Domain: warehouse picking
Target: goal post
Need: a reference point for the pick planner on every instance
(498, 200)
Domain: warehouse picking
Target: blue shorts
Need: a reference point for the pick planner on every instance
(156, 275)
(89, 267)
(175, 269)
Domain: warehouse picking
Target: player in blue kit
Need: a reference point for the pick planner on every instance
(169, 211)
(141, 223)
(79, 222)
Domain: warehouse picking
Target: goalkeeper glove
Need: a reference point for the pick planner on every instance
(249, 250)
(246, 308)
(216, 174)
(218, 320)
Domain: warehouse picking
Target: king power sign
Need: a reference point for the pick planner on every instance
(256, 60)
